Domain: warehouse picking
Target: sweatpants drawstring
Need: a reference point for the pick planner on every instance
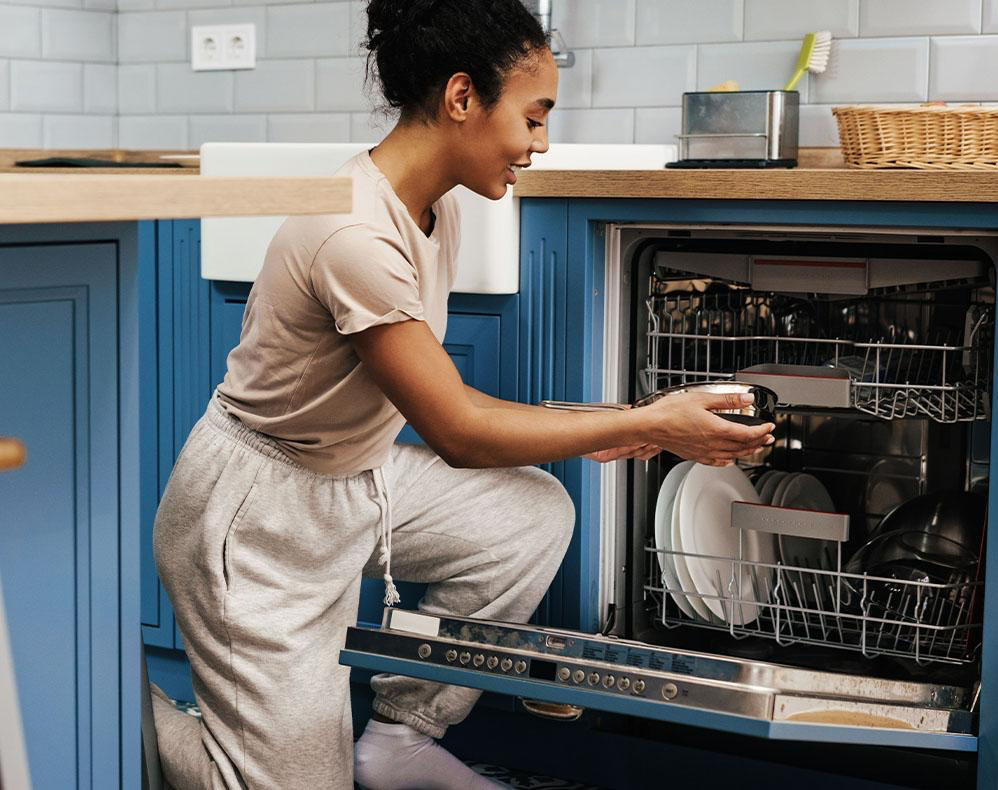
(385, 556)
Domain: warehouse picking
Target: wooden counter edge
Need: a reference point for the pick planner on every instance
(31, 198)
(788, 184)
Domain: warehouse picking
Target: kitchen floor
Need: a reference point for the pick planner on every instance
(519, 780)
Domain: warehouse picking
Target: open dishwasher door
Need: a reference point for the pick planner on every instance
(639, 679)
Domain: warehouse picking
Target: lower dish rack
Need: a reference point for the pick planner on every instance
(921, 620)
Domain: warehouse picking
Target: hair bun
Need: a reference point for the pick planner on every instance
(388, 17)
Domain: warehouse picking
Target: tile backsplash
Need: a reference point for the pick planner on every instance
(106, 73)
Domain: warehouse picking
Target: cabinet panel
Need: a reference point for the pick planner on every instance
(59, 542)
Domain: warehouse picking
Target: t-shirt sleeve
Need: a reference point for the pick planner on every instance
(363, 279)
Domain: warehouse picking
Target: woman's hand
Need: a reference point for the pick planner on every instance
(686, 426)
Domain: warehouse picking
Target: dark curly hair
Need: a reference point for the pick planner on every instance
(415, 46)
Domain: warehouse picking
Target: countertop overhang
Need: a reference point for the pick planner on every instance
(102, 197)
(800, 183)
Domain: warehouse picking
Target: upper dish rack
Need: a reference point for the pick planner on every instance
(898, 363)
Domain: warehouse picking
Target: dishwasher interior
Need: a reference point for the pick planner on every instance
(880, 347)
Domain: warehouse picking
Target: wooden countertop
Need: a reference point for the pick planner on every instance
(103, 197)
(764, 184)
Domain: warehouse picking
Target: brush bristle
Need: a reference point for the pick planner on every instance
(818, 61)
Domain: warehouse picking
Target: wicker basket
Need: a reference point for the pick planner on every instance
(929, 137)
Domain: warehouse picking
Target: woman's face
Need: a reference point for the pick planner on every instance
(502, 139)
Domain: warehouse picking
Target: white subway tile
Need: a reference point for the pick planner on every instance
(151, 36)
(594, 23)
(226, 129)
(313, 30)
(369, 127)
(642, 76)
(874, 70)
(310, 128)
(919, 17)
(964, 68)
(357, 28)
(990, 17)
(170, 4)
(37, 86)
(340, 85)
(592, 126)
(100, 88)
(52, 3)
(818, 127)
(163, 132)
(136, 5)
(4, 87)
(689, 21)
(575, 85)
(756, 65)
(20, 32)
(78, 131)
(78, 35)
(276, 86)
(137, 89)
(772, 20)
(100, 5)
(20, 131)
(179, 90)
(657, 125)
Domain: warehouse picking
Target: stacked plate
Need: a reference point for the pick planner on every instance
(799, 491)
(698, 547)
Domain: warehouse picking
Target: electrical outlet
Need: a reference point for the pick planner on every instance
(219, 47)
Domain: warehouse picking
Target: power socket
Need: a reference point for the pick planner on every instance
(223, 47)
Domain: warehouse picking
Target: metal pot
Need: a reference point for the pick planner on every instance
(761, 411)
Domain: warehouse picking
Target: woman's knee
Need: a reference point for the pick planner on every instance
(550, 508)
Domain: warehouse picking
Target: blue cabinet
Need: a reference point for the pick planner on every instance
(70, 341)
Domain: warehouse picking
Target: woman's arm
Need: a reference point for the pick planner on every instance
(418, 376)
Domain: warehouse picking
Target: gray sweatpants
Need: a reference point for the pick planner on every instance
(262, 560)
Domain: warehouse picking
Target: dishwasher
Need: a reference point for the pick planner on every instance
(828, 588)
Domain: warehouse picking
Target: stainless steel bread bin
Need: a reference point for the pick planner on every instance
(739, 128)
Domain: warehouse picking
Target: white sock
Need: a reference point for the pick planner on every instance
(397, 757)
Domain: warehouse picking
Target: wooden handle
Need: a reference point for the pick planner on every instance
(11, 453)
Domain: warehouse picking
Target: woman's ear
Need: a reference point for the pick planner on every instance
(459, 96)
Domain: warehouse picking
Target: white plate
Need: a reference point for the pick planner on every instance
(705, 528)
(806, 492)
(682, 570)
(663, 533)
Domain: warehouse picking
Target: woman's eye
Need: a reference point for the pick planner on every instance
(532, 124)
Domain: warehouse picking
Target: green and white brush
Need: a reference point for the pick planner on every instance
(813, 56)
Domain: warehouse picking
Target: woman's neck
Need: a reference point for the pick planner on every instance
(412, 157)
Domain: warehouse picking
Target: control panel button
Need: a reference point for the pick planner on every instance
(670, 690)
(520, 667)
(492, 662)
(465, 657)
(478, 660)
(639, 687)
(578, 676)
(564, 673)
(608, 681)
(624, 683)
(593, 678)
(505, 664)
(424, 650)
(451, 655)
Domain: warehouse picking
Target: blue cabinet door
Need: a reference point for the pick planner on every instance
(59, 514)
(183, 327)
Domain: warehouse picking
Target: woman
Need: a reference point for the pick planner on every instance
(291, 487)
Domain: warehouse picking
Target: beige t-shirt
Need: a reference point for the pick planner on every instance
(294, 375)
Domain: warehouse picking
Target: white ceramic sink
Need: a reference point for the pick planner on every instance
(233, 248)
